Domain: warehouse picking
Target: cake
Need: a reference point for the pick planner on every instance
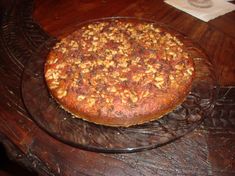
(119, 72)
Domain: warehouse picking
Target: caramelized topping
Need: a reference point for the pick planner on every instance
(117, 61)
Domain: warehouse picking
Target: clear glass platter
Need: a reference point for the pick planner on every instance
(60, 124)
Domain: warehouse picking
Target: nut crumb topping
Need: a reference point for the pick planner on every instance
(113, 62)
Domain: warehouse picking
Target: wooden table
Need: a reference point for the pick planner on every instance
(208, 150)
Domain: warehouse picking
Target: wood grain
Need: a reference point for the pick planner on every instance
(209, 150)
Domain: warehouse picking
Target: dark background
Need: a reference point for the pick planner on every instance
(10, 168)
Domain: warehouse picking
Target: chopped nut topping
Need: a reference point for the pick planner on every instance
(61, 93)
(112, 89)
(171, 77)
(190, 71)
(159, 79)
(133, 98)
(81, 97)
(117, 63)
(91, 101)
(179, 67)
(63, 50)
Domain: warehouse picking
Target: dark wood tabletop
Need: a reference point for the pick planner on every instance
(26, 25)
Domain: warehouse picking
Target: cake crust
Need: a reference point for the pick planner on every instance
(119, 72)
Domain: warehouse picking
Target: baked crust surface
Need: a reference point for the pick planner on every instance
(119, 73)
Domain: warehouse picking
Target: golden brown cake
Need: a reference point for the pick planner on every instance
(119, 73)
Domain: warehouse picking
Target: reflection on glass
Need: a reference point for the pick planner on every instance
(201, 3)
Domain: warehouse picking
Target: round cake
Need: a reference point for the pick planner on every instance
(119, 72)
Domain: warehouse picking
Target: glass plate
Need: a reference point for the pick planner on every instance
(61, 124)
